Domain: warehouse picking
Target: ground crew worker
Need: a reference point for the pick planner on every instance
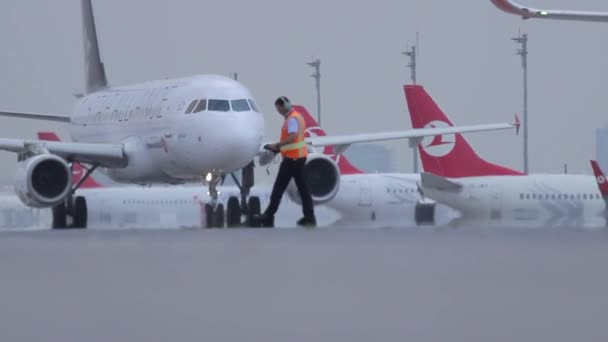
(293, 150)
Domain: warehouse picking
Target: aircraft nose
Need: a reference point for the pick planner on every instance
(238, 139)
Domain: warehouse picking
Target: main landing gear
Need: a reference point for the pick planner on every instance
(238, 212)
(72, 213)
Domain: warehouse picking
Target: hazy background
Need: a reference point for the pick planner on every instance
(467, 62)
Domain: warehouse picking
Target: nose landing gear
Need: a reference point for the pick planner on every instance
(232, 216)
(214, 211)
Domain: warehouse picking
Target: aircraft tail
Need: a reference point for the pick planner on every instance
(312, 128)
(94, 70)
(446, 155)
(77, 171)
(602, 182)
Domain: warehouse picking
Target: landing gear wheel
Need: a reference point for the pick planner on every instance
(233, 212)
(219, 216)
(209, 216)
(79, 213)
(60, 217)
(254, 209)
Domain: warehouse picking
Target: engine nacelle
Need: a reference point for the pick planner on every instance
(322, 177)
(43, 181)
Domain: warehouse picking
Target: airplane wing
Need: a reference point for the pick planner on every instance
(432, 181)
(36, 116)
(525, 12)
(106, 155)
(415, 136)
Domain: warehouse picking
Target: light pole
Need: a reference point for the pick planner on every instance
(316, 64)
(522, 51)
(412, 53)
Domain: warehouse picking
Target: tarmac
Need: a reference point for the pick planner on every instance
(304, 285)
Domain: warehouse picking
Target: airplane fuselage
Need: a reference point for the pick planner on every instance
(533, 200)
(173, 130)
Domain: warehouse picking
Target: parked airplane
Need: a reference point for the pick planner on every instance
(490, 194)
(525, 12)
(344, 195)
(169, 131)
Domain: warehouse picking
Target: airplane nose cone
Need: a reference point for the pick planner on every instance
(236, 141)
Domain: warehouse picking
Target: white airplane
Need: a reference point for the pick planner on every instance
(343, 194)
(525, 12)
(169, 131)
(492, 195)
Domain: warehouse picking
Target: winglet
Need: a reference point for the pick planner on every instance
(600, 178)
(517, 124)
(511, 7)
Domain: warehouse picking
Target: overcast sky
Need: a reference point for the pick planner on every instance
(467, 62)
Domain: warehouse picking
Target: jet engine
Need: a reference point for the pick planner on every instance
(43, 181)
(322, 177)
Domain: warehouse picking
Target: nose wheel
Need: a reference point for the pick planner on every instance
(214, 215)
(214, 210)
(218, 216)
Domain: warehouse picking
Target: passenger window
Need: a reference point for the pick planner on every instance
(202, 105)
(521, 196)
(254, 105)
(219, 105)
(191, 107)
(527, 196)
(240, 105)
(584, 196)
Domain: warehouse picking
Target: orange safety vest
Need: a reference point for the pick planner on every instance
(296, 149)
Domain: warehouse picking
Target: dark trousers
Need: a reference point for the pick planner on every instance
(291, 168)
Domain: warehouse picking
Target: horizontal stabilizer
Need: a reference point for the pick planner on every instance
(431, 181)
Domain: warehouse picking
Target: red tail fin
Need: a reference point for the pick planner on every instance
(312, 128)
(602, 182)
(446, 155)
(77, 171)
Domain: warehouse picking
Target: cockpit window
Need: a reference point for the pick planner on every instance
(191, 107)
(240, 105)
(202, 105)
(218, 105)
(254, 105)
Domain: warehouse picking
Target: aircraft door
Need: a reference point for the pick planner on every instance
(496, 205)
(365, 194)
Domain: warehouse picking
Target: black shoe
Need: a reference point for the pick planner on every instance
(264, 220)
(307, 222)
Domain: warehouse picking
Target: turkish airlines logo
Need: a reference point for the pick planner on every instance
(439, 145)
(601, 179)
